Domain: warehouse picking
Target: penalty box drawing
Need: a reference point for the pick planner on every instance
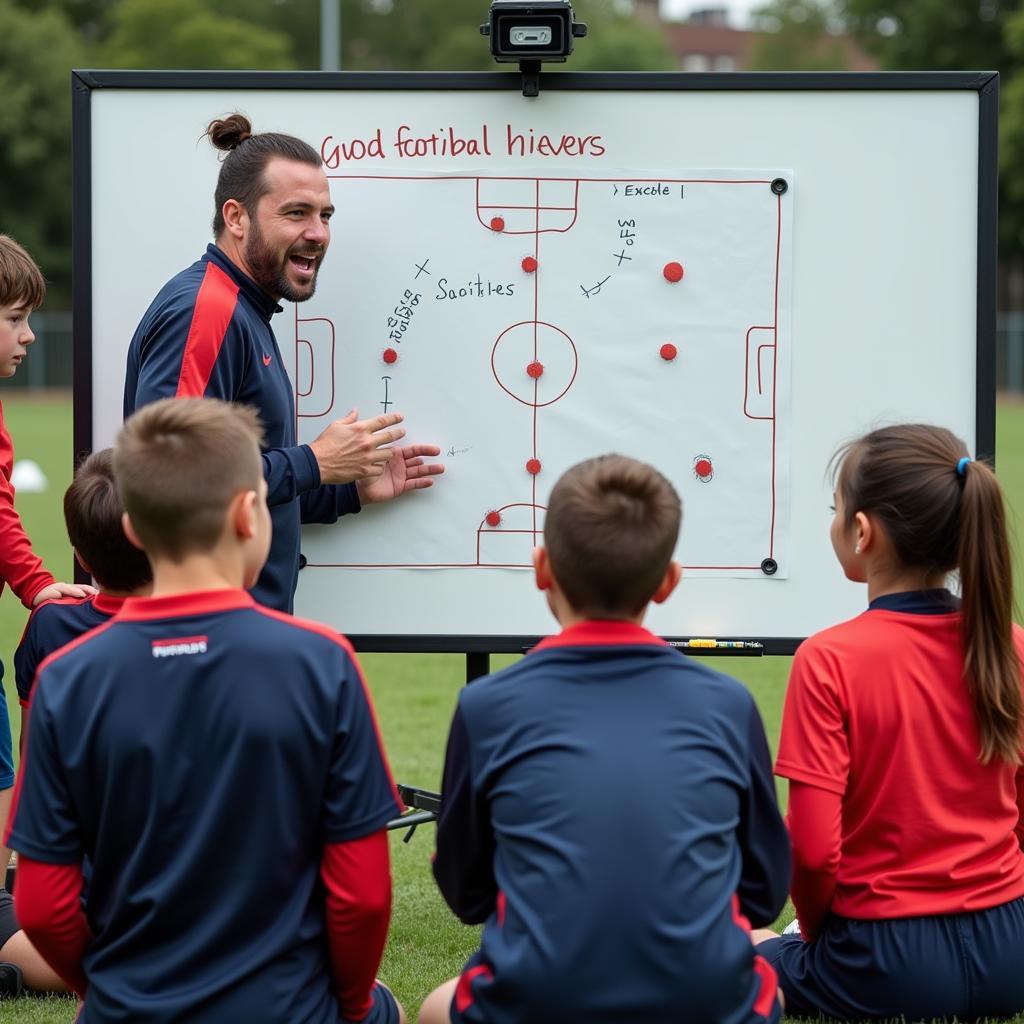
(526, 322)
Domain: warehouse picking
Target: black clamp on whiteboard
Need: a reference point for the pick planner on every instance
(530, 71)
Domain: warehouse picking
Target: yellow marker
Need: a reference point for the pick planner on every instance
(707, 643)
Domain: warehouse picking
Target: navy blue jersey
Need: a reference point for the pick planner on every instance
(52, 625)
(200, 751)
(608, 811)
(208, 334)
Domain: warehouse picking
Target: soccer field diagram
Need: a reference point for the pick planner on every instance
(525, 323)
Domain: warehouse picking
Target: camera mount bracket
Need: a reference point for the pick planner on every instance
(530, 71)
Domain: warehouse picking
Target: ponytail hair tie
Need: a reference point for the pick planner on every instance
(961, 466)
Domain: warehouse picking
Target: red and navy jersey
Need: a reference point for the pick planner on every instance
(208, 334)
(52, 625)
(200, 751)
(878, 712)
(20, 568)
(608, 810)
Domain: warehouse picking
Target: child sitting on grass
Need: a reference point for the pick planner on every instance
(217, 763)
(901, 738)
(608, 809)
(92, 514)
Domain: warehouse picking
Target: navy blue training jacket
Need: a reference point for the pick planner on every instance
(208, 333)
(609, 813)
(199, 752)
(51, 626)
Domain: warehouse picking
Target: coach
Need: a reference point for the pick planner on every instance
(208, 333)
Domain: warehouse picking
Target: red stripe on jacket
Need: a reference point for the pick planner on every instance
(215, 306)
(765, 978)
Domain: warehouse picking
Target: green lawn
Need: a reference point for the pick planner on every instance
(414, 695)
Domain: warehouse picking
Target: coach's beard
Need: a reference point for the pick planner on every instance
(270, 271)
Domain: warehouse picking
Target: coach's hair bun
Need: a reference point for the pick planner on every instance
(229, 132)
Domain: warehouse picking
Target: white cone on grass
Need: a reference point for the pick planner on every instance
(28, 478)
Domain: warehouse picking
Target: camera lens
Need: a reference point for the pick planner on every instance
(534, 36)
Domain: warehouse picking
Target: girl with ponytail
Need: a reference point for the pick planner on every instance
(902, 740)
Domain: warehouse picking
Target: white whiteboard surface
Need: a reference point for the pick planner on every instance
(878, 320)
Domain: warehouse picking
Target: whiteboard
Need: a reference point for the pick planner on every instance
(860, 291)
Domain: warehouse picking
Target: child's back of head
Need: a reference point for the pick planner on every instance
(93, 514)
(610, 530)
(179, 463)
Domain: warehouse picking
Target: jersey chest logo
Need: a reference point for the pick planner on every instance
(179, 645)
(266, 360)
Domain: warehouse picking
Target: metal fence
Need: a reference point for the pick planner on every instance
(49, 362)
(1010, 352)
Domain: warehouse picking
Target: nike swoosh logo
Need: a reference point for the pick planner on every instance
(266, 360)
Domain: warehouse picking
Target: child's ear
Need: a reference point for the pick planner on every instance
(864, 531)
(542, 568)
(243, 514)
(129, 532)
(668, 583)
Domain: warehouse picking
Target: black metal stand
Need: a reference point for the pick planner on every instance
(478, 664)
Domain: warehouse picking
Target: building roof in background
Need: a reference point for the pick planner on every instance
(708, 34)
(687, 38)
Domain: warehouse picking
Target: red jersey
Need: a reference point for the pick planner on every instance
(20, 567)
(877, 710)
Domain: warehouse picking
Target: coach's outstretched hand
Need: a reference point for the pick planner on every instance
(405, 471)
(350, 449)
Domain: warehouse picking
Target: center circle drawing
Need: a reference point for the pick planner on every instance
(530, 342)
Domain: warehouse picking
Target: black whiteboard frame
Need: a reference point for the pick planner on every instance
(984, 83)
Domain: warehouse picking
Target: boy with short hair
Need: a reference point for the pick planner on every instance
(217, 762)
(92, 514)
(608, 809)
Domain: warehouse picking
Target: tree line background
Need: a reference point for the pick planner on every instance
(40, 42)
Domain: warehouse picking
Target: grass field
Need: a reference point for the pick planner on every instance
(414, 695)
